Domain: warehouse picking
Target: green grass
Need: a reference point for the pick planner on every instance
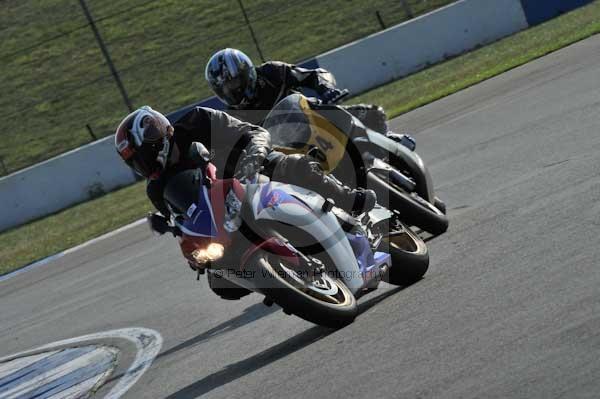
(51, 92)
(44, 237)
(71, 227)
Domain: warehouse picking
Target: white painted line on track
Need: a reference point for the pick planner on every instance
(45, 261)
(147, 342)
(75, 392)
(52, 374)
(24, 362)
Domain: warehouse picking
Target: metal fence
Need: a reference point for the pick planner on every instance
(71, 70)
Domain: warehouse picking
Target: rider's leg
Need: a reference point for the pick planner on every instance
(299, 170)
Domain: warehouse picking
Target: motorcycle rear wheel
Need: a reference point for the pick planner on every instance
(275, 281)
(410, 257)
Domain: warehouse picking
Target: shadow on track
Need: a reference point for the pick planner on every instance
(250, 314)
(239, 369)
(369, 303)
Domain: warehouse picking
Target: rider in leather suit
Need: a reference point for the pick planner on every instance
(250, 92)
(157, 150)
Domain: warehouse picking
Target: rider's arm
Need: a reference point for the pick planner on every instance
(318, 79)
(228, 132)
(220, 131)
(225, 135)
(159, 222)
(154, 190)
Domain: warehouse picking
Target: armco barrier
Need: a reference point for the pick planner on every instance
(364, 64)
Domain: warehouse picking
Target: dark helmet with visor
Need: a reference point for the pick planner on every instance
(142, 141)
(231, 76)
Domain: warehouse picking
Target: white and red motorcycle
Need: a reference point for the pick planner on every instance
(289, 244)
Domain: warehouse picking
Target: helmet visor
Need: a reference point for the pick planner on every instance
(154, 131)
(231, 76)
(233, 90)
(149, 126)
(144, 161)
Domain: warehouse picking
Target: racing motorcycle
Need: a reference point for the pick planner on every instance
(359, 156)
(289, 244)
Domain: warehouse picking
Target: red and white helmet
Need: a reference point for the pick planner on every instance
(142, 140)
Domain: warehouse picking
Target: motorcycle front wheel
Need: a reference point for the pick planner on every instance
(413, 209)
(325, 301)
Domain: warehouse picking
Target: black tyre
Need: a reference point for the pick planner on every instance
(225, 288)
(410, 257)
(413, 209)
(439, 204)
(332, 305)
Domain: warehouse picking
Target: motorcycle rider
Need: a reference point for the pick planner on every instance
(251, 92)
(157, 150)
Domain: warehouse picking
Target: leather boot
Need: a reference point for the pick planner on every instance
(299, 170)
(354, 201)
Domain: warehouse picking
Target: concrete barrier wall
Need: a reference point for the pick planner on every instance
(62, 181)
(79, 174)
(411, 46)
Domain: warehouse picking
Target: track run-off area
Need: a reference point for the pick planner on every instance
(510, 306)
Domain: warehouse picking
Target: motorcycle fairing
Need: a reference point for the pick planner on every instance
(272, 245)
(207, 217)
(370, 263)
(302, 208)
(326, 137)
(273, 197)
(362, 250)
(420, 172)
(199, 219)
(296, 128)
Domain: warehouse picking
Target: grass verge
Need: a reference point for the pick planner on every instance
(78, 224)
(66, 229)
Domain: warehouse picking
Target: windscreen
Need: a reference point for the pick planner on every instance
(288, 124)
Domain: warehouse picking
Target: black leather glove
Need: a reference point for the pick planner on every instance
(158, 223)
(330, 95)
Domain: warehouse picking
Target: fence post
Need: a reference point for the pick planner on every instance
(262, 57)
(91, 132)
(407, 9)
(4, 170)
(106, 54)
(380, 19)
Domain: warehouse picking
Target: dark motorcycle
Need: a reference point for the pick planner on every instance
(358, 156)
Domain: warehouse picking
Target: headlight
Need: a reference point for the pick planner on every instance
(209, 254)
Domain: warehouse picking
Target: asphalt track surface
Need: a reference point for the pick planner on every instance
(510, 306)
